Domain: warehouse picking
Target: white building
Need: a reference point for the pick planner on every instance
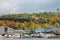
(2, 30)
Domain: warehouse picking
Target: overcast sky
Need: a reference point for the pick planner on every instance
(28, 6)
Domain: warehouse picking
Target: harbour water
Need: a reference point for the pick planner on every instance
(29, 39)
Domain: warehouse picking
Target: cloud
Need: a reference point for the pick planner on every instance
(16, 6)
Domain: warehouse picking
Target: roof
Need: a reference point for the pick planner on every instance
(39, 30)
(52, 29)
(10, 29)
(48, 29)
(19, 31)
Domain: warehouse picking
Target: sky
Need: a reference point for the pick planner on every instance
(28, 6)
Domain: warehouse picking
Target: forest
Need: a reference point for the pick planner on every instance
(41, 20)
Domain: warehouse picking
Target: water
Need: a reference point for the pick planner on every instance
(28, 39)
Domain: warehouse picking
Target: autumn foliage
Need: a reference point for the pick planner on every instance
(42, 20)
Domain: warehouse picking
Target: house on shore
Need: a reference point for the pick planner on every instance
(6, 31)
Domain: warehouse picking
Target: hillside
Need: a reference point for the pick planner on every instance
(42, 20)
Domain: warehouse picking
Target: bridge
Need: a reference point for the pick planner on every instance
(18, 19)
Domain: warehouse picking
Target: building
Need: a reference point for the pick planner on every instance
(1, 29)
(4, 30)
